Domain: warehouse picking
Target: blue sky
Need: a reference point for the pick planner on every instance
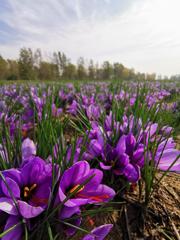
(143, 34)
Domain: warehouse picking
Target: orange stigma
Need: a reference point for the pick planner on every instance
(24, 133)
(75, 188)
(95, 198)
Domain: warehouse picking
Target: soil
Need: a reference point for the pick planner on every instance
(160, 220)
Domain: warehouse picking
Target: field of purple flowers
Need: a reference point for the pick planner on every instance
(74, 158)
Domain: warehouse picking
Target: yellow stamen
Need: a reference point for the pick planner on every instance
(33, 187)
(28, 191)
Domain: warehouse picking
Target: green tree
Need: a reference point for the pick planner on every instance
(81, 70)
(125, 73)
(91, 70)
(3, 68)
(107, 70)
(46, 71)
(26, 64)
(63, 63)
(13, 70)
(70, 72)
(117, 70)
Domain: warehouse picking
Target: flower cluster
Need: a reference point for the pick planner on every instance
(126, 155)
(64, 151)
(26, 192)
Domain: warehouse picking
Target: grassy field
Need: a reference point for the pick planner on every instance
(89, 160)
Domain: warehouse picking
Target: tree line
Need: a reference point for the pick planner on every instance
(32, 66)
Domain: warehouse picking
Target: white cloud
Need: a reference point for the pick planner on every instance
(145, 36)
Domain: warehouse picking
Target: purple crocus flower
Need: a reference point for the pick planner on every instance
(28, 149)
(28, 115)
(92, 192)
(166, 155)
(125, 158)
(118, 160)
(30, 186)
(93, 112)
(99, 233)
(56, 112)
(110, 124)
(73, 108)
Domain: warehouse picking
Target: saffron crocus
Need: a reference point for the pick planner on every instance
(118, 160)
(28, 115)
(99, 233)
(125, 158)
(56, 112)
(167, 157)
(73, 108)
(111, 125)
(86, 185)
(93, 112)
(29, 186)
(28, 149)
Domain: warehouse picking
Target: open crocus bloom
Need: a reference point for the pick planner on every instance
(99, 233)
(126, 158)
(29, 187)
(86, 185)
(167, 155)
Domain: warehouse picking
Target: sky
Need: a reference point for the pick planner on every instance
(141, 34)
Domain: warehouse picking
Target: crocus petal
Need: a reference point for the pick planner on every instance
(99, 233)
(12, 189)
(28, 149)
(138, 156)
(121, 145)
(95, 148)
(7, 205)
(17, 232)
(102, 194)
(104, 167)
(13, 174)
(152, 129)
(28, 211)
(166, 129)
(72, 175)
(166, 144)
(132, 173)
(169, 157)
(93, 182)
(122, 161)
(76, 202)
(33, 172)
(41, 196)
(130, 143)
(67, 212)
